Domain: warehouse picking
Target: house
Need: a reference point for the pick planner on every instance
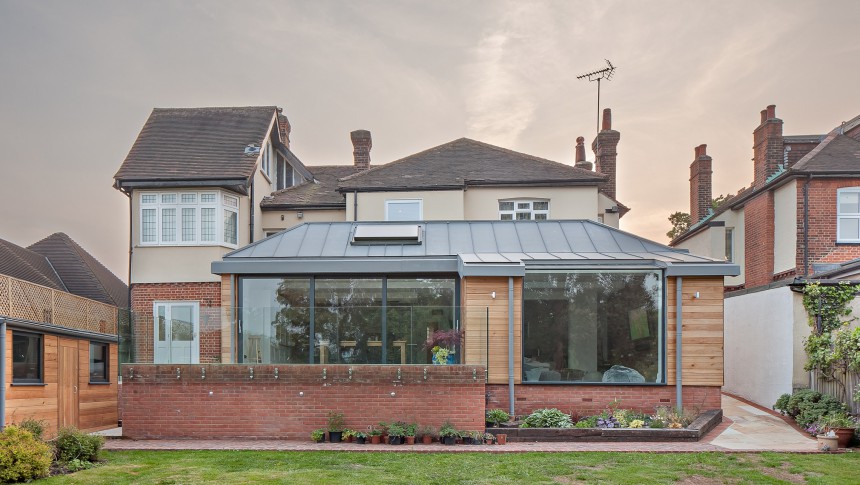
(799, 217)
(59, 311)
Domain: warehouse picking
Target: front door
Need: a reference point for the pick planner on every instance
(177, 332)
(67, 371)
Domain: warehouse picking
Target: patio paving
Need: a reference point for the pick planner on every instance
(745, 427)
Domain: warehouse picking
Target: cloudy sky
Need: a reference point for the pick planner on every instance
(78, 80)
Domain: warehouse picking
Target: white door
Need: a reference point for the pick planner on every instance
(177, 329)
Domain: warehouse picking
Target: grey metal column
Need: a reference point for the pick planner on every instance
(679, 321)
(510, 343)
(2, 373)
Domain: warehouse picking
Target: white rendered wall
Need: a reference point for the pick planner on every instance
(785, 227)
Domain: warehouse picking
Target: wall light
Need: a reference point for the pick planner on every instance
(300, 214)
(493, 295)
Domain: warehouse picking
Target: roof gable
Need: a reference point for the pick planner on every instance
(466, 162)
(23, 264)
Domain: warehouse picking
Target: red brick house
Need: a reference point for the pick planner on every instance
(800, 216)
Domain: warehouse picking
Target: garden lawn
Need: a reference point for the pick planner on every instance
(223, 467)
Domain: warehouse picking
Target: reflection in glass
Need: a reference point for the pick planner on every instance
(275, 320)
(416, 309)
(348, 320)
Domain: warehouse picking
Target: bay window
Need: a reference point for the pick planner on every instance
(188, 219)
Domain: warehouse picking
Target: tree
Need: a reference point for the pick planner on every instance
(680, 223)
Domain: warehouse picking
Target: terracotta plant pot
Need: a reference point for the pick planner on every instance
(375, 440)
(427, 439)
(501, 439)
(488, 441)
(844, 435)
(410, 440)
(827, 443)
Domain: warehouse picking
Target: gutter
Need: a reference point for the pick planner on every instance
(679, 320)
(2, 373)
(510, 344)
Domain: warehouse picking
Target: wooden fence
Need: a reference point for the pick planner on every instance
(36, 303)
(834, 388)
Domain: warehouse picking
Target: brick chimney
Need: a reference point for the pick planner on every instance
(605, 153)
(700, 184)
(580, 154)
(768, 146)
(284, 128)
(361, 144)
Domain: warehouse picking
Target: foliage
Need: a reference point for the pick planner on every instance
(671, 418)
(444, 338)
(497, 416)
(371, 431)
(607, 422)
(719, 200)
(78, 465)
(411, 429)
(447, 430)
(23, 457)
(587, 422)
(680, 223)
(837, 420)
(396, 429)
(781, 404)
(36, 428)
(72, 443)
(426, 431)
(807, 406)
(335, 421)
(359, 434)
(317, 435)
(440, 355)
(348, 433)
(832, 347)
(547, 418)
(637, 423)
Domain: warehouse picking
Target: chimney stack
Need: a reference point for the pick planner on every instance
(768, 147)
(284, 128)
(580, 155)
(701, 191)
(361, 145)
(605, 152)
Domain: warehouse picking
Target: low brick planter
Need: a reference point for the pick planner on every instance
(698, 428)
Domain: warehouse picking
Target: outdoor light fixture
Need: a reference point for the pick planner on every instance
(300, 214)
(493, 295)
(392, 393)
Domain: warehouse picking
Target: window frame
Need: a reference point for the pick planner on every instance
(531, 211)
(16, 381)
(730, 244)
(183, 201)
(389, 202)
(106, 378)
(840, 216)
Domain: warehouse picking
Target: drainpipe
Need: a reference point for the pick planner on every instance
(806, 226)
(679, 320)
(2, 373)
(354, 205)
(251, 205)
(511, 343)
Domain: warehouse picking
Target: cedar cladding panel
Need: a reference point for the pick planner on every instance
(477, 299)
(702, 331)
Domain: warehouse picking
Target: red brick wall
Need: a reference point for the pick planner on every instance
(822, 223)
(758, 240)
(588, 400)
(229, 404)
(208, 294)
(700, 185)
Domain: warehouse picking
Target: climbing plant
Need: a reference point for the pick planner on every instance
(832, 347)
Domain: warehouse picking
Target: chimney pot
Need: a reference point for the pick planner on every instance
(580, 149)
(771, 112)
(607, 119)
(763, 115)
(361, 145)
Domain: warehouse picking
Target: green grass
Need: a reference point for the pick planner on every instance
(224, 467)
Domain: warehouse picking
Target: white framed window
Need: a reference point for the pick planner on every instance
(268, 161)
(523, 210)
(188, 219)
(848, 215)
(404, 210)
(730, 246)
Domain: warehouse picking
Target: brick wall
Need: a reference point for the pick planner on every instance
(208, 294)
(822, 223)
(605, 147)
(227, 403)
(700, 184)
(758, 240)
(588, 400)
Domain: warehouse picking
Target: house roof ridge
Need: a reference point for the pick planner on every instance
(535, 158)
(398, 161)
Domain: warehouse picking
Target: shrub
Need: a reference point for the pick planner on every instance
(587, 422)
(547, 418)
(807, 406)
(36, 428)
(782, 403)
(448, 430)
(317, 435)
(497, 416)
(72, 443)
(22, 456)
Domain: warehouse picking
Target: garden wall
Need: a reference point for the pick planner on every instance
(225, 401)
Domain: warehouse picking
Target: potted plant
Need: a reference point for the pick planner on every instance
(360, 437)
(496, 417)
(383, 431)
(447, 433)
(318, 435)
(335, 426)
(411, 431)
(477, 437)
(427, 435)
(348, 435)
(443, 345)
(489, 438)
(375, 435)
(841, 424)
(828, 441)
(396, 432)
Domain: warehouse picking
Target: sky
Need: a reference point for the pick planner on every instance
(79, 79)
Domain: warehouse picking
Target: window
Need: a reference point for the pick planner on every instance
(268, 162)
(593, 326)
(730, 248)
(99, 362)
(848, 215)
(26, 358)
(403, 210)
(188, 218)
(285, 174)
(523, 210)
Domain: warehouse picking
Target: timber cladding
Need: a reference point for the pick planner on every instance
(224, 401)
(90, 407)
(485, 321)
(702, 343)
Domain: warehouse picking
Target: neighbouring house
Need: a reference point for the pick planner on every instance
(59, 311)
(799, 217)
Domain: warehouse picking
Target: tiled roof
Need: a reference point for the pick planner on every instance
(197, 144)
(836, 154)
(466, 162)
(80, 272)
(23, 264)
(322, 192)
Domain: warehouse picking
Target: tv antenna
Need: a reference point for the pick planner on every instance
(605, 73)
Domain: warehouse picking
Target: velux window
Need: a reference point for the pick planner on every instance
(523, 210)
(848, 215)
(188, 219)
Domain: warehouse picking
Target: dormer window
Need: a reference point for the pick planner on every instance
(267, 161)
(523, 210)
(185, 218)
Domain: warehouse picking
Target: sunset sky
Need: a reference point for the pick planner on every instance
(78, 80)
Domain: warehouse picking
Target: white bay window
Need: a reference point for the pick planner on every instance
(188, 219)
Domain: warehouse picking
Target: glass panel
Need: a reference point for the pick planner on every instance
(348, 321)
(541, 206)
(524, 216)
(207, 229)
(589, 326)
(189, 198)
(207, 198)
(181, 323)
(416, 309)
(849, 228)
(26, 358)
(189, 226)
(729, 245)
(275, 320)
(148, 199)
(168, 198)
(162, 330)
(506, 206)
(168, 225)
(849, 202)
(506, 217)
(404, 211)
(230, 229)
(231, 201)
(98, 363)
(540, 217)
(524, 205)
(148, 226)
